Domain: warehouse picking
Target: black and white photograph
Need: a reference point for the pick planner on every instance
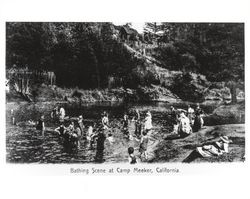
(124, 99)
(128, 92)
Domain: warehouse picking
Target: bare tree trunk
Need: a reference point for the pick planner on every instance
(232, 86)
(233, 94)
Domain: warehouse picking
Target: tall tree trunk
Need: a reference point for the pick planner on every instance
(233, 94)
(232, 86)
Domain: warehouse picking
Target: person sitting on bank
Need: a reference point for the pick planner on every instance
(198, 109)
(210, 149)
(198, 122)
(131, 158)
(174, 119)
(40, 124)
(184, 128)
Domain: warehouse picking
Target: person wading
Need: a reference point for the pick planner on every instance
(41, 124)
(148, 123)
(143, 146)
(125, 125)
(100, 146)
(81, 126)
(137, 120)
(132, 158)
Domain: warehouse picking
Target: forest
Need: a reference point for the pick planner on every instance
(87, 55)
(88, 92)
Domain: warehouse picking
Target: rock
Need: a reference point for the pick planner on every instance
(227, 114)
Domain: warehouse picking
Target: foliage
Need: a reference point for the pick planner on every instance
(81, 54)
(215, 50)
(189, 87)
(86, 55)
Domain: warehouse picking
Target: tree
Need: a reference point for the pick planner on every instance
(28, 44)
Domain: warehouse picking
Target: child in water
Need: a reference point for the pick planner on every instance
(110, 138)
(12, 117)
(148, 122)
(100, 146)
(105, 121)
(71, 127)
(144, 145)
(90, 132)
(138, 124)
(40, 124)
(91, 135)
(61, 129)
(125, 125)
(132, 158)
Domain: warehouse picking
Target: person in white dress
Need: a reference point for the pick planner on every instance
(148, 122)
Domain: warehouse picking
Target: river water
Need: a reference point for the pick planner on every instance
(24, 144)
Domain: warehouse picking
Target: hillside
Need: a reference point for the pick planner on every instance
(165, 62)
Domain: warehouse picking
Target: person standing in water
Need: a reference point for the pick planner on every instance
(132, 158)
(76, 135)
(12, 117)
(148, 122)
(81, 125)
(125, 125)
(91, 135)
(54, 113)
(105, 121)
(137, 120)
(100, 146)
(61, 114)
(40, 124)
(143, 146)
(190, 114)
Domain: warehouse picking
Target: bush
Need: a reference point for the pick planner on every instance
(188, 87)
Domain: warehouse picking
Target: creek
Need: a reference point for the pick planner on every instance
(24, 144)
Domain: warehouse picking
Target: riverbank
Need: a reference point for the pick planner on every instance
(177, 150)
(23, 139)
(225, 120)
(227, 114)
(46, 93)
